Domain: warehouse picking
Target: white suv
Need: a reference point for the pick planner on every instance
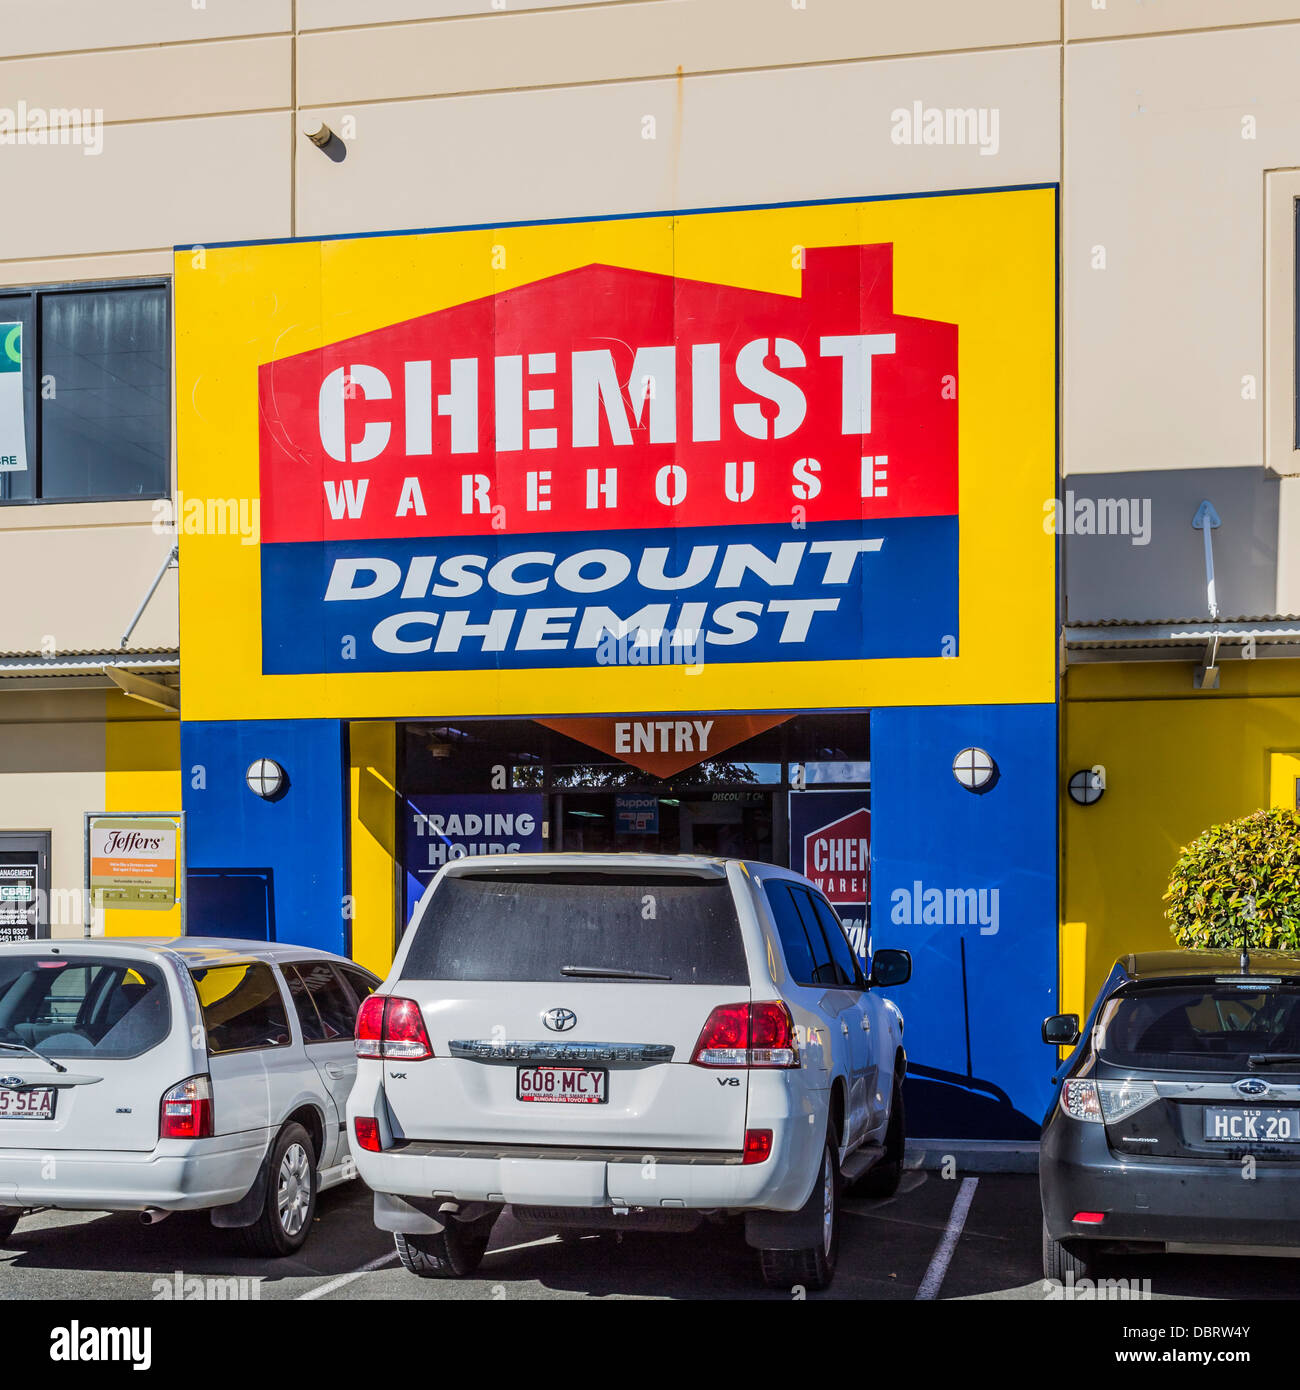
(160, 1075)
(627, 1041)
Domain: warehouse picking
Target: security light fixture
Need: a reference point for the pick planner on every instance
(266, 778)
(1086, 786)
(974, 769)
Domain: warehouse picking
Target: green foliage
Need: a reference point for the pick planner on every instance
(1242, 877)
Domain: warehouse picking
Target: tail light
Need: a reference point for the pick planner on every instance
(758, 1146)
(391, 1027)
(1108, 1101)
(187, 1110)
(367, 1132)
(1088, 1218)
(748, 1035)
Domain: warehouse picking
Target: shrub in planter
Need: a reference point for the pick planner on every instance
(1242, 877)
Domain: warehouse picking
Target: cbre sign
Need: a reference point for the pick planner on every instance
(509, 482)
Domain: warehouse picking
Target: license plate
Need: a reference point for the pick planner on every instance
(563, 1085)
(1243, 1125)
(27, 1105)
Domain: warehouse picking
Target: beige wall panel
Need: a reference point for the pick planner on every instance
(58, 26)
(92, 580)
(742, 138)
(50, 774)
(141, 83)
(613, 42)
(330, 14)
(132, 265)
(1157, 173)
(223, 178)
(1083, 20)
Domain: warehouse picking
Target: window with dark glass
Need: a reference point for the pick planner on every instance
(243, 1008)
(325, 1009)
(96, 391)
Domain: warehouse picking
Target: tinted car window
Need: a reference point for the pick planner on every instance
(324, 1006)
(1217, 1027)
(82, 1008)
(825, 971)
(841, 951)
(531, 926)
(242, 1007)
(790, 928)
(362, 982)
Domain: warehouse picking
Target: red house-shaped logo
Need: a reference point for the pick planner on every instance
(837, 857)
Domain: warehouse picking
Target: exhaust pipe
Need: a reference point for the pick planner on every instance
(151, 1216)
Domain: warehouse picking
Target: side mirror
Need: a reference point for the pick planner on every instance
(1061, 1030)
(890, 967)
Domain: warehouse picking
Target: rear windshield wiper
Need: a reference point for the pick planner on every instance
(1274, 1059)
(597, 972)
(22, 1047)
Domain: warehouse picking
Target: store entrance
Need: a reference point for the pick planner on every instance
(497, 786)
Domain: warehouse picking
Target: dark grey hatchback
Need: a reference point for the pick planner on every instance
(1175, 1122)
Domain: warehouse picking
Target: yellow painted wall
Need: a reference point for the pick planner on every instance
(142, 762)
(1176, 761)
(372, 801)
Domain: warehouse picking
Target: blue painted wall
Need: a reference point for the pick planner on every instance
(977, 998)
(266, 870)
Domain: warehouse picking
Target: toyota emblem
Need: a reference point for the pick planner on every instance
(1252, 1086)
(559, 1020)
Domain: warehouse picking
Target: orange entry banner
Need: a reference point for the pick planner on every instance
(662, 746)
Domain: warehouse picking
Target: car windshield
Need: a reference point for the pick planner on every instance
(651, 928)
(66, 1006)
(1215, 1027)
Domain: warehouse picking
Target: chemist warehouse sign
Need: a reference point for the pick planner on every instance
(778, 447)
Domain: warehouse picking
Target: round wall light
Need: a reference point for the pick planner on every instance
(1086, 786)
(266, 778)
(975, 769)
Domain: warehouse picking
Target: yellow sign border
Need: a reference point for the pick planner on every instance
(985, 260)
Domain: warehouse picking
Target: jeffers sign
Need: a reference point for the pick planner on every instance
(755, 476)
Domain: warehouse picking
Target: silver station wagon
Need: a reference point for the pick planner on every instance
(162, 1075)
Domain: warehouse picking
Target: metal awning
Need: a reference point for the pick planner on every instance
(1202, 640)
(26, 665)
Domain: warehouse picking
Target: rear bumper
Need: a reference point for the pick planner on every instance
(541, 1177)
(1210, 1203)
(177, 1175)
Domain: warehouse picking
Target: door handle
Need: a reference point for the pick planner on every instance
(844, 1028)
(338, 1070)
(866, 1024)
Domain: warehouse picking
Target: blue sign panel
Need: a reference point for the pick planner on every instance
(440, 828)
(835, 590)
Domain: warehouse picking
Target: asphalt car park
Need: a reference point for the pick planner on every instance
(901, 1248)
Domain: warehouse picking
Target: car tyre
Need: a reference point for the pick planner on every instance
(883, 1177)
(812, 1268)
(9, 1218)
(454, 1252)
(1068, 1261)
(290, 1205)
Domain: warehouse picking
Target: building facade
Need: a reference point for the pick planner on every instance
(759, 428)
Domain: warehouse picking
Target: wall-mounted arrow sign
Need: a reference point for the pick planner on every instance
(1207, 520)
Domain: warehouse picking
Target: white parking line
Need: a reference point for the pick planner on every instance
(347, 1278)
(942, 1257)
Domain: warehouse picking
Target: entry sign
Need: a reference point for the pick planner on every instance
(830, 843)
(18, 901)
(133, 862)
(13, 425)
